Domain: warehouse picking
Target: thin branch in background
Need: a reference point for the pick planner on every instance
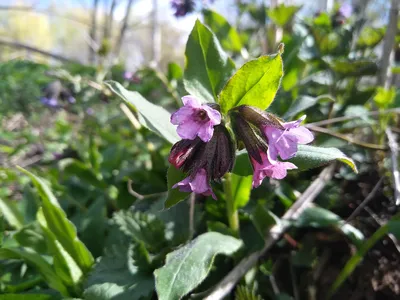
(33, 49)
(108, 24)
(126, 110)
(93, 32)
(394, 150)
(348, 118)
(140, 196)
(224, 287)
(345, 137)
(124, 26)
(155, 36)
(388, 44)
(365, 202)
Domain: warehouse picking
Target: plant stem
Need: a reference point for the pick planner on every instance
(232, 213)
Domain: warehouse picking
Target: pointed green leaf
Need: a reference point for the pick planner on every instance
(60, 226)
(255, 83)
(282, 14)
(188, 266)
(35, 260)
(151, 116)
(174, 195)
(207, 66)
(308, 157)
(228, 36)
(241, 186)
(11, 214)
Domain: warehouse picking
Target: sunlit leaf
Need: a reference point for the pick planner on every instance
(188, 266)
(207, 66)
(255, 83)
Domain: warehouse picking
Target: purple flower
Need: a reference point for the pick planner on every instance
(284, 142)
(128, 75)
(276, 170)
(346, 10)
(195, 119)
(90, 111)
(182, 7)
(52, 102)
(71, 99)
(197, 183)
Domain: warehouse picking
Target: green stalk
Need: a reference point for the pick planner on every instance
(232, 213)
(353, 262)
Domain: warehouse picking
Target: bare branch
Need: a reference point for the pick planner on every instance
(93, 32)
(367, 199)
(123, 29)
(384, 76)
(33, 49)
(228, 283)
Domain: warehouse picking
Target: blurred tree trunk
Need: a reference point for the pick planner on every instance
(388, 45)
(155, 37)
(93, 32)
(109, 20)
(122, 32)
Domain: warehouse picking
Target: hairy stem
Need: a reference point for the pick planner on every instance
(232, 213)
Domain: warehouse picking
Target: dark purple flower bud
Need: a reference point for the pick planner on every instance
(203, 161)
(182, 7)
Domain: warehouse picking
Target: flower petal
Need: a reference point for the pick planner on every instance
(213, 114)
(182, 115)
(302, 135)
(191, 101)
(188, 130)
(205, 132)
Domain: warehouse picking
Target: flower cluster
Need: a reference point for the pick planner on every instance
(207, 149)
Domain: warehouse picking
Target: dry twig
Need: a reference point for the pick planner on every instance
(394, 150)
(228, 283)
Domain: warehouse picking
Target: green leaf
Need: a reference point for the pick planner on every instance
(317, 217)
(73, 167)
(142, 227)
(362, 67)
(31, 236)
(174, 72)
(242, 164)
(35, 260)
(11, 214)
(282, 14)
(207, 66)
(370, 37)
(175, 196)
(263, 219)
(241, 186)
(303, 103)
(309, 157)
(60, 226)
(188, 266)
(27, 297)
(115, 276)
(384, 97)
(228, 36)
(65, 266)
(151, 116)
(255, 83)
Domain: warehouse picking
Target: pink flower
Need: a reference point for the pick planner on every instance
(284, 142)
(195, 119)
(197, 184)
(277, 170)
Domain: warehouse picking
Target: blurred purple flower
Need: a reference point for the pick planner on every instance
(284, 142)
(182, 7)
(52, 102)
(71, 99)
(128, 75)
(195, 119)
(198, 184)
(90, 111)
(346, 10)
(276, 170)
